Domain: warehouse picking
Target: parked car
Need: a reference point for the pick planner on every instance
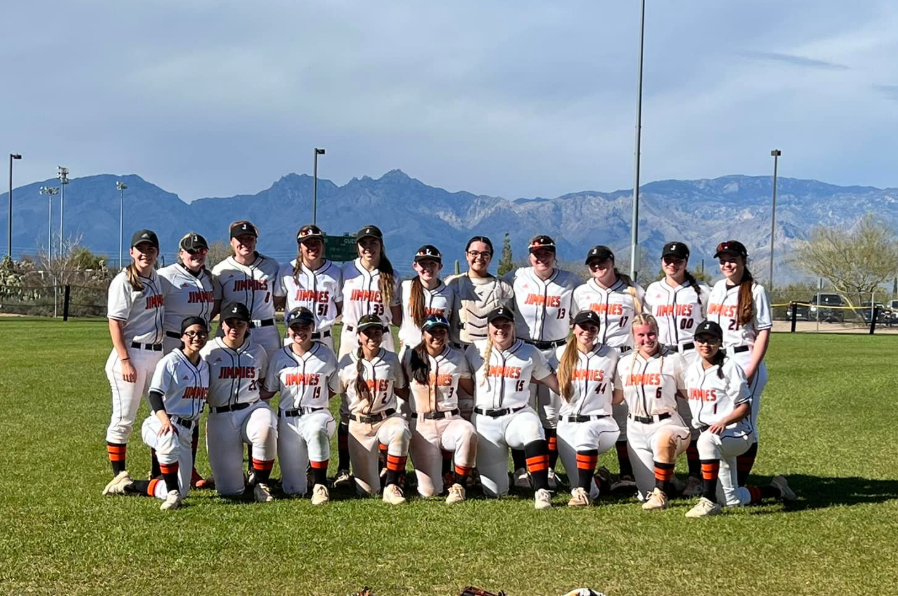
(827, 313)
(883, 315)
(893, 306)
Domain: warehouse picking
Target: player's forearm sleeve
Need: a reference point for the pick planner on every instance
(155, 399)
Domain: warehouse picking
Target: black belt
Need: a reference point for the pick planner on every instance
(545, 345)
(686, 346)
(586, 418)
(173, 334)
(150, 347)
(623, 349)
(298, 412)
(373, 418)
(497, 413)
(703, 427)
(437, 415)
(234, 408)
(737, 349)
(262, 323)
(188, 424)
(317, 335)
(651, 419)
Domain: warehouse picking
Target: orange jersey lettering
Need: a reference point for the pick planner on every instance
(441, 380)
(309, 380)
(644, 379)
(311, 296)
(243, 285)
(509, 372)
(722, 310)
(703, 394)
(378, 385)
(154, 301)
(588, 375)
(237, 372)
(611, 309)
(365, 296)
(540, 300)
(196, 393)
(199, 297)
(675, 310)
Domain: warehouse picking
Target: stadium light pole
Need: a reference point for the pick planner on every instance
(635, 227)
(315, 188)
(49, 191)
(121, 187)
(12, 156)
(63, 174)
(776, 155)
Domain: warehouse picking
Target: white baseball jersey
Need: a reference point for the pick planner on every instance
(712, 399)
(252, 285)
(592, 381)
(361, 294)
(303, 381)
(441, 394)
(616, 306)
(235, 376)
(142, 311)
(186, 295)
(320, 291)
(383, 375)
(183, 386)
(506, 381)
(723, 309)
(678, 310)
(475, 298)
(438, 301)
(650, 386)
(544, 307)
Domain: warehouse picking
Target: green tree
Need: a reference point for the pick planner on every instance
(506, 263)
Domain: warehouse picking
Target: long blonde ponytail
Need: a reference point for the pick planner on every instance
(566, 369)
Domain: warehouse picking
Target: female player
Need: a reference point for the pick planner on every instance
(423, 296)
(435, 372)
(371, 377)
(720, 403)
(136, 315)
(617, 299)
(648, 378)
(679, 303)
(249, 278)
(586, 429)
(303, 372)
(177, 398)
(504, 368)
(741, 307)
(544, 304)
(313, 282)
(237, 413)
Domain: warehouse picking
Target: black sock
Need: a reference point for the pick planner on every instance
(552, 440)
(710, 469)
(261, 470)
(623, 459)
(663, 476)
(195, 443)
(171, 481)
(745, 462)
(155, 470)
(447, 463)
(343, 446)
(461, 475)
(518, 459)
(693, 459)
(117, 453)
(138, 487)
(536, 456)
(759, 493)
(319, 473)
(586, 466)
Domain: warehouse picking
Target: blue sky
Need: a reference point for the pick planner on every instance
(497, 97)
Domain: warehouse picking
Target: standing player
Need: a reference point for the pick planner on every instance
(648, 378)
(544, 302)
(313, 282)
(740, 306)
(618, 300)
(435, 372)
(249, 278)
(424, 295)
(586, 428)
(720, 404)
(237, 413)
(679, 303)
(135, 314)
(303, 372)
(504, 368)
(370, 377)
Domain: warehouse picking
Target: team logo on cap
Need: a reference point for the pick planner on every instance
(673, 246)
(195, 239)
(243, 227)
(145, 235)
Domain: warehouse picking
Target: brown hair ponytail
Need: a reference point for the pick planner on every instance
(419, 365)
(416, 302)
(694, 283)
(566, 369)
(387, 278)
(631, 288)
(487, 356)
(134, 278)
(746, 304)
(361, 385)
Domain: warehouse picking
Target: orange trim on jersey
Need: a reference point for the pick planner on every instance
(262, 465)
(538, 463)
(319, 465)
(151, 487)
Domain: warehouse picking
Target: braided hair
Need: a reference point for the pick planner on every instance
(361, 385)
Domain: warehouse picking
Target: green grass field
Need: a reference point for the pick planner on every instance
(827, 422)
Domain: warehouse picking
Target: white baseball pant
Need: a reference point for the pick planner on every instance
(170, 448)
(364, 449)
(546, 402)
(727, 447)
(429, 439)
(126, 396)
(302, 439)
(648, 443)
(227, 432)
(494, 438)
(598, 434)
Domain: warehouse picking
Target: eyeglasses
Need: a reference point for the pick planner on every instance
(194, 334)
(475, 254)
(197, 252)
(673, 260)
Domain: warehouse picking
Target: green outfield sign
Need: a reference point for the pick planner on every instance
(340, 248)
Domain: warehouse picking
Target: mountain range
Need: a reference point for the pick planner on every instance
(701, 213)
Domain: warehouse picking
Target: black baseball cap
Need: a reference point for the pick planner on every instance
(299, 316)
(369, 232)
(189, 322)
(434, 321)
(309, 232)
(369, 321)
(193, 241)
(709, 328)
(144, 236)
(428, 252)
(599, 253)
(675, 249)
(235, 310)
(588, 316)
(733, 247)
(502, 312)
(541, 242)
(240, 228)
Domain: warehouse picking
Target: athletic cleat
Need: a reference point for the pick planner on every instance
(704, 508)
(657, 500)
(787, 493)
(542, 499)
(677, 485)
(262, 493)
(579, 498)
(393, 495)
(553, 483)
(250, 478)
(172, 501)
(456, 494)
(448, 481)
(342, 480)
(603, 480)
(320, 496)
(693, 487)
(625, 481)
(118, 484)
(521, 478)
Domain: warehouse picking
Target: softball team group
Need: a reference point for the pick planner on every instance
(535, 366)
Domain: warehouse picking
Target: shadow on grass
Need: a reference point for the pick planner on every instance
(815, 492)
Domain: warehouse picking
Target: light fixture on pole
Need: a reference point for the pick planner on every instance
(49, 191)
(12, 156)
(315, 188)
(63, 174)
(776, 155)
(121, 187)
(635, 227)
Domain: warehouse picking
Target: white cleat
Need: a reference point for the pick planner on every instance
(456, 494)
(657, 500)
(521, 478)
(693, 487)
(393, 495)
(172, 501)
(320, 495)
(787, 493)
(118, 484)
(262, 493)
(542, 499)
(704, 508)
(579, 498)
